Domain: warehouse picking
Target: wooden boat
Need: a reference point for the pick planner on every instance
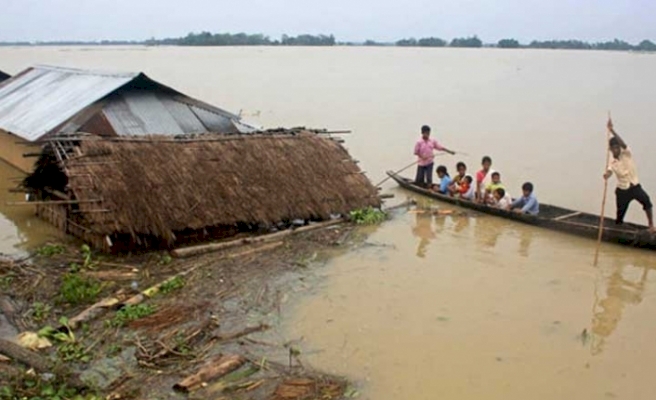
(551, 217)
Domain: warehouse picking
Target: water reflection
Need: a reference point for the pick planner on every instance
(488, 230)
(424, 231)
(461, 222)
(525, 238)
(624, 286)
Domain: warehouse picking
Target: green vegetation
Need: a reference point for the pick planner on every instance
(50, 250)
(79, 290)
(412, 42)
(308, 40)
(473, 41)
(40, 311)
(508, 44)
(6, 280)
(73, 351)
(131, 313)
(172, 285)
(368, 216)
(69, 349)
(165, 259)
(243, 39)
(33, 387)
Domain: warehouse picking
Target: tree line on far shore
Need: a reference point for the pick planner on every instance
(243, 39)
(474, 41)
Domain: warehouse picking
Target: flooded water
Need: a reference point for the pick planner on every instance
(462, 306)
(20, 229)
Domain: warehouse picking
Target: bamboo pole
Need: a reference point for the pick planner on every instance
(398, 172)
(603, 201)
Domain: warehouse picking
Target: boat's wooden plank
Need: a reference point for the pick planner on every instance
(562, 217)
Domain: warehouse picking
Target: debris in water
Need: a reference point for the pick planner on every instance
(32, 341)
(584, 336)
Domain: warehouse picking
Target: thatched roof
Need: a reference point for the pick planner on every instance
(157, 186)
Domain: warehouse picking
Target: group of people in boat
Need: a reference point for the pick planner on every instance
(484, 187)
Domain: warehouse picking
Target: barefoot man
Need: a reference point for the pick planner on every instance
(628, 185)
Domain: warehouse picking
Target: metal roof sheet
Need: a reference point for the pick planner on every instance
(37, 100)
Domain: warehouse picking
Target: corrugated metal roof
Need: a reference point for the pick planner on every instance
(139, 112)
(41, 98)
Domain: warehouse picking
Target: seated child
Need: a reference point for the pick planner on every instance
(466, 189)
(494, 185)
(444, 180)
(528, 203)
(502, 199)
(461, 167)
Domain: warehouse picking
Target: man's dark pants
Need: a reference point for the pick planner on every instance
(625, 196)
(424, 175)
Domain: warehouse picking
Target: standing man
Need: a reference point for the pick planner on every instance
(628, 185)
(424, 152)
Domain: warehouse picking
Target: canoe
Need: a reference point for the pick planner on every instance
(551, 217)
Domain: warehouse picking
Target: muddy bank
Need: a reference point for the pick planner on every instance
(210, 331)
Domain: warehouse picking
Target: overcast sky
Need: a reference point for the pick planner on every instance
(348, 20)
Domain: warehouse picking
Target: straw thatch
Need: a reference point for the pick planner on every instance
(160, 187)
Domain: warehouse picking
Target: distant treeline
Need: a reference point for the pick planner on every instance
(243, 39)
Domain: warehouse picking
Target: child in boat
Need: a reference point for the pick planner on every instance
(494, 185)
(466, 188)
(444, 180)
(483, 179)
(454, 189)
(528, 203)
(502, 199)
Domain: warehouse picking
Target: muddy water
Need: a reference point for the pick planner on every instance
(20, 229)
(463, 306)
(469, 307)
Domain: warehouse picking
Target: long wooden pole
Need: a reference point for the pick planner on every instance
(398, 172)
(603, 201)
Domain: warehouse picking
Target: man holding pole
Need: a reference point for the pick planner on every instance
(424, 152)
(628, 185)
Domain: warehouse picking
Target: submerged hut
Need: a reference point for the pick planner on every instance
(158, 192)
(44, 101)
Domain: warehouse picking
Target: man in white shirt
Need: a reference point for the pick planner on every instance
(628, 185)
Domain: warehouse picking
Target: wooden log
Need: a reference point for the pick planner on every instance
(210, 247)
(93, 311)
(217, 368)
(405, 204)
(38, 362)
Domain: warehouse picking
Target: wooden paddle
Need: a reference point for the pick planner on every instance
(603, 201)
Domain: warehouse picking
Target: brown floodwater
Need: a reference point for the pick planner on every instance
(463, 306)
(20, 229)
